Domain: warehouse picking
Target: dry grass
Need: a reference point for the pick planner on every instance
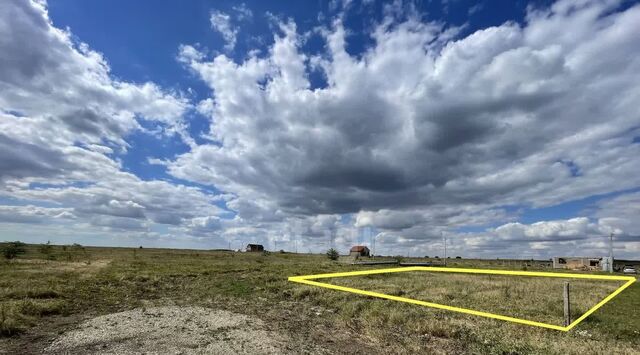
(533, 298)
(35, 294)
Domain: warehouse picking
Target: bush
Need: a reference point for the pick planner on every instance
(8, 324)
(46, 249)
(332, 254)
(76, 246)
(12, 249)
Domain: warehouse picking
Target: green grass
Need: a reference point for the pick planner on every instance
(532, 298)
(37, 289)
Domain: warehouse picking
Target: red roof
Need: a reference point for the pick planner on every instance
(359, 248)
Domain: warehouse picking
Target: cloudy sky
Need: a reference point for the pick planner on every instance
(514, 131)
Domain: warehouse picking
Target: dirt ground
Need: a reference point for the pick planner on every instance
(174, 330)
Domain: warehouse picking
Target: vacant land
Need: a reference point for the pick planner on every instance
(533, 298)
(66, 300)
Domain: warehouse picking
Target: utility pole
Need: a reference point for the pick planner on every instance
(373, 244)
(611, 252)
(332, 243)
(444, 240)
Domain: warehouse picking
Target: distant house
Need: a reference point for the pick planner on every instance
(576, 263)
(359, 250)
(254, 247)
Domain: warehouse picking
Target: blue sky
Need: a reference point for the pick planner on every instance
(204, 123)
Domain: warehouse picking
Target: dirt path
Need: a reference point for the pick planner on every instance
(174, 330)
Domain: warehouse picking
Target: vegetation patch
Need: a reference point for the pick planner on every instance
(40, 292)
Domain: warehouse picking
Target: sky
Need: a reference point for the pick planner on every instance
(510, 130)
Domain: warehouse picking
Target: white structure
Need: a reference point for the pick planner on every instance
(577, 263)
(607, 264)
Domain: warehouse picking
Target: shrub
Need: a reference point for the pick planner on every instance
(8, 324)
(46, 249)
(77, 246)
(41, 308)
(12, 249)
(332, 254)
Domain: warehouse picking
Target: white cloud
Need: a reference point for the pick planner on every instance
(422, 134)
(243, 13)
(33, 214)
(227, 24)
(473, 117)
(221, 22)
(425, 121)
(620, 214)
(62, 114)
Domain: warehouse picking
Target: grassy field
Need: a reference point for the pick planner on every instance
(45, 294)
(532, 298)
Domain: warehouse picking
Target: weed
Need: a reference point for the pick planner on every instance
(8, 325)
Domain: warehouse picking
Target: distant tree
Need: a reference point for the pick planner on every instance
(437, 257)
(426, 256)
(12, 249)
(458, 257)
(332, 254)
(77, 246)
(46, 249)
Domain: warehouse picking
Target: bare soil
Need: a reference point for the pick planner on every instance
(174, 330)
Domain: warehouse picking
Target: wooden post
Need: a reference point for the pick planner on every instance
(567, 306)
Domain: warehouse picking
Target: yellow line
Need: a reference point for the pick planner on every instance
(306, 279)
(358, 273)
(601, 303)
(468, 271)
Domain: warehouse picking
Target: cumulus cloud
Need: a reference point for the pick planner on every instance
(422, 119)
(226, 24)
(45, 75)
(48, 80)
(33, 214)
(620, 215)
(242, 12)
(62, 118)
(575, 236)
(425, 132)
(221, 22)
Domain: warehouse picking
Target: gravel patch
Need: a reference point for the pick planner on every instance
(172, 330)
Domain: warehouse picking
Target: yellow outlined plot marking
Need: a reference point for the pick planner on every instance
(308, 280)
